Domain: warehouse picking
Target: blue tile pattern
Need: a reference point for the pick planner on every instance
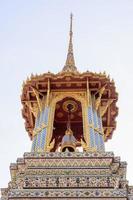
(102, 147)
(95, 117)
(39, 139)
(92, 138)
(90, 117)
(34, 143)
(95, 125)
(97, 140)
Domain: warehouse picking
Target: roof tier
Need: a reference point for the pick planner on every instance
(71, 81)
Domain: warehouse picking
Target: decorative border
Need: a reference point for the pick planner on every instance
(79, 193)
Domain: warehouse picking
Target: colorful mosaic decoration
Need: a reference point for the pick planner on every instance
(69, 116)
(90, 175)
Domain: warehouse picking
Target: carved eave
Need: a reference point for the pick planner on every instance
(71, 81)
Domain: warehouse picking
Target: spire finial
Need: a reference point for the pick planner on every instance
(70, 62)
(71, 24)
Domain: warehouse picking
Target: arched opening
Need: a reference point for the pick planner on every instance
(60, 124)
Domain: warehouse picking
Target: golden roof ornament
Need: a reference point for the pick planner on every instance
(68, 80)
(70, 62)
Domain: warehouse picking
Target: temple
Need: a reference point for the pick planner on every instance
(69, 116)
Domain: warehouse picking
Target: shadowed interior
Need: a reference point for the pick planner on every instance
(61, 118)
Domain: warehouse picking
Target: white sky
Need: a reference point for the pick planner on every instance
(34, 39)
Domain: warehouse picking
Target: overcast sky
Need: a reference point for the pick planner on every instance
(34, 39)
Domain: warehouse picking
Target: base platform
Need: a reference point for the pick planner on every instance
(77, 175)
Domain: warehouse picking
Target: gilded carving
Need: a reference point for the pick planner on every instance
(57, 96)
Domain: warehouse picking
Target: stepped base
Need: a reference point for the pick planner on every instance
(68, 175)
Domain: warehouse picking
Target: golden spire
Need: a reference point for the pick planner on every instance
(70, 63)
